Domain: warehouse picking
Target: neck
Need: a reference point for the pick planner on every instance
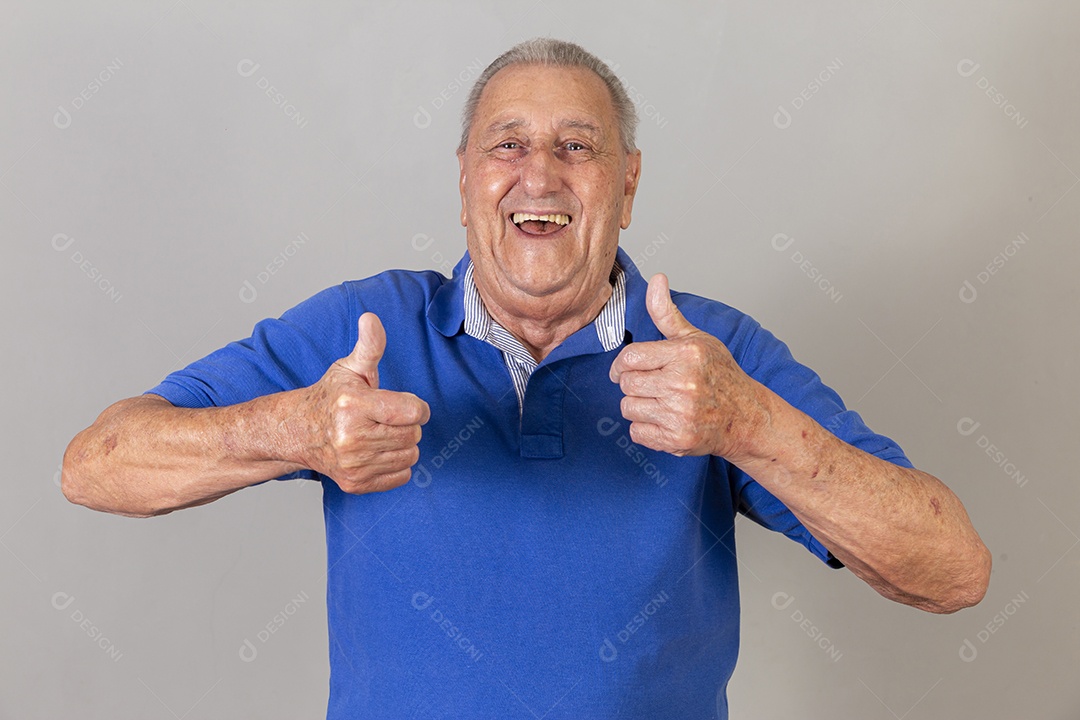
(542, 324)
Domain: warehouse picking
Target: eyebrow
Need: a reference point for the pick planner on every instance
(517, 123)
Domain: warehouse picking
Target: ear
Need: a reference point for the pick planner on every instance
(461, 187)
(633, 174)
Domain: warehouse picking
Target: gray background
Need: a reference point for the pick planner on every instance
(145, 182)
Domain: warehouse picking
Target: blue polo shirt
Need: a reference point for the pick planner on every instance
(538, 563)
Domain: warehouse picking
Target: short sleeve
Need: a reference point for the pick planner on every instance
(281, 354)
(768, 360)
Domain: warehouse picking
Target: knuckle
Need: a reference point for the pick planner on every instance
(353, 485)
(389, 481)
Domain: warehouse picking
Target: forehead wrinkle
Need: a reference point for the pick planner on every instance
(585, 126)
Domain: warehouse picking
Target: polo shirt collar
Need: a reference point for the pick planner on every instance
(446, 311)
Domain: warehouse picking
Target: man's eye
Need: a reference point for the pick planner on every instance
(574, 146)
(509, 145)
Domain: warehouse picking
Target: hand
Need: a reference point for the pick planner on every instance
(362, 437)
(686, 395)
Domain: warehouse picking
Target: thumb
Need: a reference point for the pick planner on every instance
(667, 317)
(370, 345)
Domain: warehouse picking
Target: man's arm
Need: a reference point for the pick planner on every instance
(143, 456)
(900, 530)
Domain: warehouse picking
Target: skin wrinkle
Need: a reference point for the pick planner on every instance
(902, 573)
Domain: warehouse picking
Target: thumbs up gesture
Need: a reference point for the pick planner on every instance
(362, 437)
(685, 394)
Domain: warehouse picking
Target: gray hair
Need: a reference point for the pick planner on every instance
(557, 53)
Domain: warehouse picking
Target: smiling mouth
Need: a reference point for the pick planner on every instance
(540, 224)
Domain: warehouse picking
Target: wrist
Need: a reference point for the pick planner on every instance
(752, 438)
(295, 431)
(785, 443)
(276, 426)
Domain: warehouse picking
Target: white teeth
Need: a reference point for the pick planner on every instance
(519, 218)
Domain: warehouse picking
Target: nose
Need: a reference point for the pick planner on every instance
(541, 172)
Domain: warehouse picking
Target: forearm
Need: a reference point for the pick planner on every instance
(144, 457)
(901, 530)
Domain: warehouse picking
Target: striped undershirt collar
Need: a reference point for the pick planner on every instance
(610, 327)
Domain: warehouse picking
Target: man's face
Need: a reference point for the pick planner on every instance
(545, 142)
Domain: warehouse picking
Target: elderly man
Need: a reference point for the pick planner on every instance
(578, 444)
